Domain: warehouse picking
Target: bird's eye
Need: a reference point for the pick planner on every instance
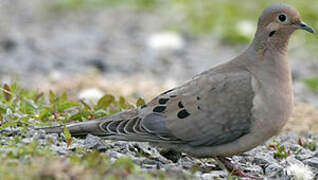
(282, 17)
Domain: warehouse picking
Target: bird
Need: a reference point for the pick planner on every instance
(224, 111)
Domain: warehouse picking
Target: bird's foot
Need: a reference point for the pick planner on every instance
(172, 155)
(235, 171)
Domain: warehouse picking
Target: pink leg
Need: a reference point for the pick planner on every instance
(235, 171)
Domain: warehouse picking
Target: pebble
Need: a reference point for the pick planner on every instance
(94, 142)
(313, 162)
(274, 171)
(258, 162)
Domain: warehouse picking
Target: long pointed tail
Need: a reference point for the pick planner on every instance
(78, 129)
(126, 126)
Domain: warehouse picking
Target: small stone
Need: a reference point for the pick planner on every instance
(94, 142)
(265, 160)
(26, 140)
(274, 171)
(313, 162)
(150, 164)
(165, 41)
(297, 170)
(99, 64)
(115, 155)
(214, 175)
(39, 135)
(11, 131)
(187, 164)
(296, 147)
(55, 75)
(254, 169)
(291, 160)
(305, 154)
(91, 94)
(61, 150)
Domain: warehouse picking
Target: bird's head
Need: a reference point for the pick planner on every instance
(276, 24)
(281, 18)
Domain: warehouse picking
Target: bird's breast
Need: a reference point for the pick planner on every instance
(272, 105)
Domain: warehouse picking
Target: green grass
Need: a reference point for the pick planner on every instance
(65, 5)
(312, 84)
(309, 144)
(19, 107)
(200, 17)
(280, 151)
(32, 160)
(35, 162)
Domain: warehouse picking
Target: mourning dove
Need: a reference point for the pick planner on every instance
(224, 111)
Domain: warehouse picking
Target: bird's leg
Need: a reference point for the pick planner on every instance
(172, 155)
(234, 170)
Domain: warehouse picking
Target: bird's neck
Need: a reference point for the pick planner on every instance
(269, 56)
(264, 44)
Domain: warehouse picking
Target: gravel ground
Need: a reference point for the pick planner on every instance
(263, 162)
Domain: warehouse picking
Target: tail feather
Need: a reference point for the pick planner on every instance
(115, 130)
(126, 126)
(87, 127)
(78, 129)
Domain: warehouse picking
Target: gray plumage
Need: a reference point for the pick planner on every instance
(226, 110)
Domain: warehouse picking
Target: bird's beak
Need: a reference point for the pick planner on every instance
(305, 27)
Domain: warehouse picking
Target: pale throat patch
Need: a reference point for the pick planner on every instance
(273, 26)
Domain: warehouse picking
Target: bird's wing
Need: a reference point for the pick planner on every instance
(214, 108)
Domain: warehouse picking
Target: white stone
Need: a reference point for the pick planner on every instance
(246, 28)
(299, 172)
(55, 75)
(91, 94)
(165, 41)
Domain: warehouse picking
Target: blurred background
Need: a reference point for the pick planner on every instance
(139, 48)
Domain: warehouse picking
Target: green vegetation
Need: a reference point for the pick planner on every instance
(309, 144)
(280, 150)
(22, 108)
(33, 160)
(312, 84)
(232, 22)
(61, 5)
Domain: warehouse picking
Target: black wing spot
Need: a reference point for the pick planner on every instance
(159, 109)
(173, 96)
(163, 100)
(198, 98)
(199, 108)
(180, 104)
(183, 114)
(143, 106)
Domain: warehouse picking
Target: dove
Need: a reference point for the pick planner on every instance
(224, 111)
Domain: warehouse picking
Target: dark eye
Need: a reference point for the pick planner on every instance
(282, 17)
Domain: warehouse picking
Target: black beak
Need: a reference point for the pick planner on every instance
(305, 27)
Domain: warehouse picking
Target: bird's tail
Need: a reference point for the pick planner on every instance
(95, 127)
(78, 129)
(126, 126)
